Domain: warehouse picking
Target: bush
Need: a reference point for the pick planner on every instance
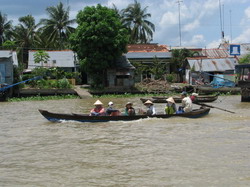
(63, 83)
(170, 78)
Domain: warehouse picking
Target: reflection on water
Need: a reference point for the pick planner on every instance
(213, 150)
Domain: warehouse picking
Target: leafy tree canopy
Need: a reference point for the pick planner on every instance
(58, 27)
(135, 18)
(5, 28)
(41, 56)
(179, 56)
(99, 40)
(178, 59)
(11, 45)
(245, 59)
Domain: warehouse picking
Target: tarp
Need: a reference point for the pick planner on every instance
(223, 81)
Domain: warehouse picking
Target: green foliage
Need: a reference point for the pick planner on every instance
(134, 17)
(57, 27)
(179, 56)
(38, 71)
(178, 59)
(99, 40)
(41, 56)
(64, 83)
(5, 28)
(10, 45)
(158, 69)
(42, 98)
(140, 68)
(52, 78)
(245, 59)
(51, 73)
(48, 84)
(25, 35)
(170, 78)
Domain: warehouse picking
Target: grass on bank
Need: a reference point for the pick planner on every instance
(41, 98)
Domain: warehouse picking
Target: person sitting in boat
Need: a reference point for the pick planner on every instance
(129, 110)
(171, 106)
(150, 108)
(193, 97)
(111, 111)
(186, 103)
(98, 110)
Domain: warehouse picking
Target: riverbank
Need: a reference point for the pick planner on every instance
(144, 89)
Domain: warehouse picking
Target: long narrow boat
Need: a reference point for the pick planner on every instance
(57, 117)
(200, 99)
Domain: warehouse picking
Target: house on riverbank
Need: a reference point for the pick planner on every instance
(65, 59)
(147, 55)
(122, 75)
(8, 59)
(201, 70)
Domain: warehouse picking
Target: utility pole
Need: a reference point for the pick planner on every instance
(230, 25)
(179, 7)
(221, 24)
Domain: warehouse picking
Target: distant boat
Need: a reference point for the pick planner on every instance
(200, 99)
(210, 90)
(57, 117)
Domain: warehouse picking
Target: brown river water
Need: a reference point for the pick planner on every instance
(209, 151)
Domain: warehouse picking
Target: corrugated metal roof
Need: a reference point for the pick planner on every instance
(244, 48)
(212, 64)
(64, 58)
(215, 53)
(147, 48)
(186, 47)
(8, 54)
(124, 63)
(147, 55)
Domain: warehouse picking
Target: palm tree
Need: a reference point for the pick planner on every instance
(5, 28)
(57, 28)
(135, 19)
(24, 34)
(178, 60)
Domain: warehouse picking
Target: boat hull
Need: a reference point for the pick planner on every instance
(57, 117)
(200, 99)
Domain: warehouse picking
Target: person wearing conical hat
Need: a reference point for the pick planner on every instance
(150, 107)
(171, 106)
(98, 110)
(129, 110)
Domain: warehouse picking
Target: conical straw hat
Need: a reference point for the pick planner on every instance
(129, 103)
(170, 99)
(98, 102)
(148, 102)
(195, 94)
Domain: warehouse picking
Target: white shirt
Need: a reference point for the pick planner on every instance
(187, 104)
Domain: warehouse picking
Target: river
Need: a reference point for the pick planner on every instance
(209, 151)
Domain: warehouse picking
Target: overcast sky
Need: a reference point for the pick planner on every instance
(200, 19)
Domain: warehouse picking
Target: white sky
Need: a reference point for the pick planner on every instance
(200, 19)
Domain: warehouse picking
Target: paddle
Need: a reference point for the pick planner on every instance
(214, 107)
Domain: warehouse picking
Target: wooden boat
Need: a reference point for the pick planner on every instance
(57, 117)
(211, 90)
(200, 99)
